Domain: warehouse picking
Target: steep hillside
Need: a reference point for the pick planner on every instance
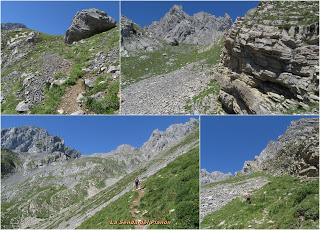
(43, 74)
(278, 189)
(169, 195)
(270, 60)
(64, 192)
(169, 59)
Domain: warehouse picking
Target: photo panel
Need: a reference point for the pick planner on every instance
(99, 172)
(60, 57)
(259, 172)
(220, 57)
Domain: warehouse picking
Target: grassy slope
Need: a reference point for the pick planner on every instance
(286, 202)
(173, 187)
(79, 54)
(154, 63)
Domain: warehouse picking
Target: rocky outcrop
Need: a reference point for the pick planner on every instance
(35, 141)
(199, 29)
(12, 26)
(270, 60)
(211, 177)
(174, 28)
(134, 38)
(296, 152)
(87, 23)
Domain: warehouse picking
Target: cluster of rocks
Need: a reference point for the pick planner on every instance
(87, 23)
(271, 66)
(165, 94)
(211, 177)
(214, 198)
(296, 152)
(174, 28)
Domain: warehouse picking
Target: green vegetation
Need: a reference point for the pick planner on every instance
(116, 211)
(213, 88)
(302, 110)
(9, 162)
(286, 203)
(11, 102)
(51, 101)
(167, 59)
(172, 194)
(110, 101)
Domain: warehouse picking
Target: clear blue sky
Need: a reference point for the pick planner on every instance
(95, 134)
(143, 13)
(227, 142)
(51, 17)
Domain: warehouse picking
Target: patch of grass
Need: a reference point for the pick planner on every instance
(116, 211)
(213, 88)
(109, 103)
(172, 194)
(284, 203)
(165, 60)
(51, 101)
(11, 100)
(75, 73)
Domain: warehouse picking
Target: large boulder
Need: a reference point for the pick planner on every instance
(87, 23)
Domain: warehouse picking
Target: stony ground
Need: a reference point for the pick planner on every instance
(165, 94)
(214, 198)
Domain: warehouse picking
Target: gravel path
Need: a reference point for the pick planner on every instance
(165, 94)
(212, 199)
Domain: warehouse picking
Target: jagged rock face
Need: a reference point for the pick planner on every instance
(296, 152)
(174, 28)
(31, 140)
(12, 26)
(134, 38)
(158, 142)
(87, 23)
(207, 177)
(199, 29)
(271, 59)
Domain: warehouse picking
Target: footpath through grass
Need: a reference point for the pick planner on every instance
(286, 203)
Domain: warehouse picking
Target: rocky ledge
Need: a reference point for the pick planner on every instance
(270, 60)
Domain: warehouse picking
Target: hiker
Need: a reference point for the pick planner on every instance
(137, 183)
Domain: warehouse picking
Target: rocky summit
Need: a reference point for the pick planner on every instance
(270, 60)
(44, 188)
(174, 28)
(199, 29)
(87, 23)
(296, 152)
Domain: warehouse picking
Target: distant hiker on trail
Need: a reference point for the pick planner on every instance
(137, 183)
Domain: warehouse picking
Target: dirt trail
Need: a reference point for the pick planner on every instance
(69, 102)
(135, 213)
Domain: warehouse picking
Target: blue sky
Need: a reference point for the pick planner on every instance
(93, 134)
(228, 141)
(143, 13)
(51, 17)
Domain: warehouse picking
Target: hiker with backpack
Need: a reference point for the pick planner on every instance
(137, 183)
